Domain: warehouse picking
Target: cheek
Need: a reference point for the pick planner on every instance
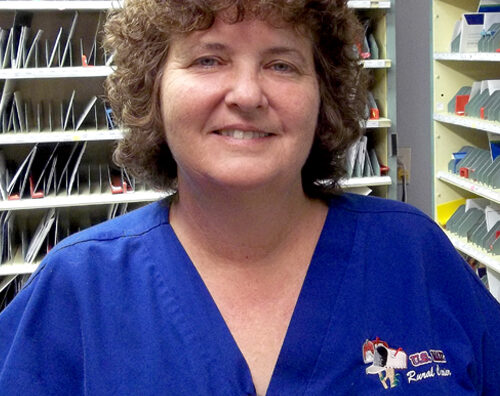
(177, 110)
(185, 105)
(313, 111)
(308, 110)
(303, 109)
(171, 104)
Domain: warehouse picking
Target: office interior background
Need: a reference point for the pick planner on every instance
(408, 26)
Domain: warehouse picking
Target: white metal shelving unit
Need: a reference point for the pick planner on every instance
(43, 5)
(382, 129)
(451, 132)
(489, 260)
(61, 78)
(67, 75)
(469, 186)
(55, 72)
(81, 200)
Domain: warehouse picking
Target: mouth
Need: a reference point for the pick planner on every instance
(242, 135)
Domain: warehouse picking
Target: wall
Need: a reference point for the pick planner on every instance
(413, 68)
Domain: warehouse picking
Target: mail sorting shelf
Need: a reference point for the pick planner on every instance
(100, 71)
(379, 19)
(33, 234)
(451, 132)
(491, 262)
(90, 195)
(473, 229)
(96, 71)
(103, 5)
(40, 81)
(58, 73)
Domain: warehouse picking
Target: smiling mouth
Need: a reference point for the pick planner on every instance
(243, 135)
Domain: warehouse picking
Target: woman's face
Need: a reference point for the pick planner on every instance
(240, 105)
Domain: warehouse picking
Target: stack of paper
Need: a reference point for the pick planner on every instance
(478, 32)
(369, 48)
(362, 160)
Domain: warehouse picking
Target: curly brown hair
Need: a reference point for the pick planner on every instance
(139, 34)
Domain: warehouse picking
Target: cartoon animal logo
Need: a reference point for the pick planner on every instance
(384, 361)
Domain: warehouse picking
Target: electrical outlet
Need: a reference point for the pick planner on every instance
(404, 164)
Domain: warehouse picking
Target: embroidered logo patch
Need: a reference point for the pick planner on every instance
(384, 362)
(427, 357)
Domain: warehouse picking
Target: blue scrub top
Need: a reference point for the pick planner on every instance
(387, 305)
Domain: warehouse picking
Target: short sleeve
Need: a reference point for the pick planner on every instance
(489, 313)
(459, 290)
(41, 347)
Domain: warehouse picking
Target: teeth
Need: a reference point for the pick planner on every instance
(238, 134)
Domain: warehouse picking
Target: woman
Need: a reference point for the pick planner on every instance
(257, 277)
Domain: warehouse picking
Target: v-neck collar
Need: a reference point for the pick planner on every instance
(311, 319)
(312, 316)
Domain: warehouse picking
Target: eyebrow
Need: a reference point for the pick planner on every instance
(207, 46)
(212, 46)
(279, 50)
(285, 51)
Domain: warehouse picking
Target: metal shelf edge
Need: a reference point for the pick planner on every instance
(366, 181)
(81, 200)
(469, 122)
(380, 123)
(17, 269)
(469, 56)
(59, 5)
(476, 188)
(368, 4)
(377, 63)
(55, 72)
(490, 261)
(60, 136)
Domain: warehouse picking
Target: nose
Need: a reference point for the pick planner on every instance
(246, 91)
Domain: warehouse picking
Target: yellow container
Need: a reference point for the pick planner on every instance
(446, 210)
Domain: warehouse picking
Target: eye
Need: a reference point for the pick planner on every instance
(207, 61)
(283, 67)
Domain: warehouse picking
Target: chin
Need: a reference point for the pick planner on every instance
(245, 177)
(246, 181)
(249, 184)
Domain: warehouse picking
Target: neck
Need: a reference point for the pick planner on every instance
(252, 250)
(243, 227)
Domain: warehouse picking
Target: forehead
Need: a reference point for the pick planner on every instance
(255, 32)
